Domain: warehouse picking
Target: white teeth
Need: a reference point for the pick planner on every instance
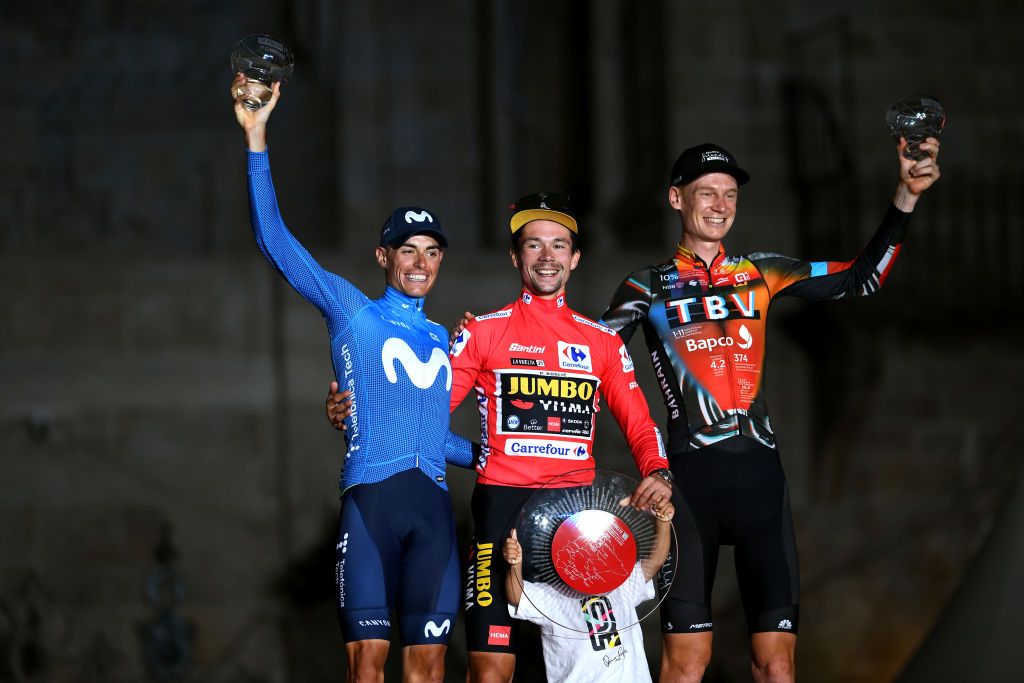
(417, 278)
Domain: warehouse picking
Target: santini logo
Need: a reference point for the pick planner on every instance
(419, 217)
(421, 374)
(432, 630)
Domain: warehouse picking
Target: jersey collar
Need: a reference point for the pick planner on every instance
(690, 258)
(403, 301)
(542, 304)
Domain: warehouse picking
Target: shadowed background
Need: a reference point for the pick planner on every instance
(168, 483)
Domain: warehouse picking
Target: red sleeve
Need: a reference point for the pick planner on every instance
(466, 356)
(626, 401)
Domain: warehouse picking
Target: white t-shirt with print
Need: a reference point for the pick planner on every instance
(606, 654)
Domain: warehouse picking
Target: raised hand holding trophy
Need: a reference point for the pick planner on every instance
(263, 60)
(915, 119)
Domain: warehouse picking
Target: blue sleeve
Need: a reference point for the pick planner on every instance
(333, 295)
(460, 451)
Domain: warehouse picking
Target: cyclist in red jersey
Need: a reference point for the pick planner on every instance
(703, 316)
(539, 370)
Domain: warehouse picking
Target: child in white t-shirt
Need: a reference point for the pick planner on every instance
(579, 636)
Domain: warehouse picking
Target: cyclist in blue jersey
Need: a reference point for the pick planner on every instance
(396, 549)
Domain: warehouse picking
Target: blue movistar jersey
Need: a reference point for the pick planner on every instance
(386, 351)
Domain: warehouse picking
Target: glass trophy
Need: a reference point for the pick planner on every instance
(584, 551)
(915, 119)
(263, 60)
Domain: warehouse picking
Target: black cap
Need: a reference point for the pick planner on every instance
(546, 206)
(408, 221)
(707, 158)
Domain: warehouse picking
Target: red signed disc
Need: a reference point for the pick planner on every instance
(593, 551)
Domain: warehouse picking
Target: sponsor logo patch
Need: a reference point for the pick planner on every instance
(459, 343)
(525, 348)
(627, 361)
(499, 635)
(537, 448)
(574, 357)
(421, 374)
(432, 630)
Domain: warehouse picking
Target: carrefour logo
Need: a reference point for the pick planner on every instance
(627, 362)
(562, 450)
(574, 357)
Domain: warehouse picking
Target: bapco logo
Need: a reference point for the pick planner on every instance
(746, 338)
(786, 624)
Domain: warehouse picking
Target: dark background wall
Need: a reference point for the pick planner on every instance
(167, 480)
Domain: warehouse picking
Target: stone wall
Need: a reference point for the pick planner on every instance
(160, 382)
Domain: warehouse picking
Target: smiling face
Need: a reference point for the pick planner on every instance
(707, 207)
(412, 266)
(544, 257)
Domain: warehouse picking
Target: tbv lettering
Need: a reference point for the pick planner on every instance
(700, 309)
(558, 388)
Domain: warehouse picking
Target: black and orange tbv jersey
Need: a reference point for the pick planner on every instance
(704, 325)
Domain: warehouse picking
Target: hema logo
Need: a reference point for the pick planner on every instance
(418, 216)
(432, 630)
(421, 374)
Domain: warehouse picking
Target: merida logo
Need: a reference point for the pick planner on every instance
(418, 216)
(421, 374)
(432, 630)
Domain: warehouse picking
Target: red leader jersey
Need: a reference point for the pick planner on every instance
(539, 370)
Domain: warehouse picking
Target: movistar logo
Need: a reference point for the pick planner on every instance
(418, 216)
(421, 374)
(432, 630)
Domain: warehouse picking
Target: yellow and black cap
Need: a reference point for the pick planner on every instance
(544, 206)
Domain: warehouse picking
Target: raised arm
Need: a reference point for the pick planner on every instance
(333, 295)
(866, 273)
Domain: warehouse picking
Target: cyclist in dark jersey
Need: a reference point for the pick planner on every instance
(396, 549)
(703, 315)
